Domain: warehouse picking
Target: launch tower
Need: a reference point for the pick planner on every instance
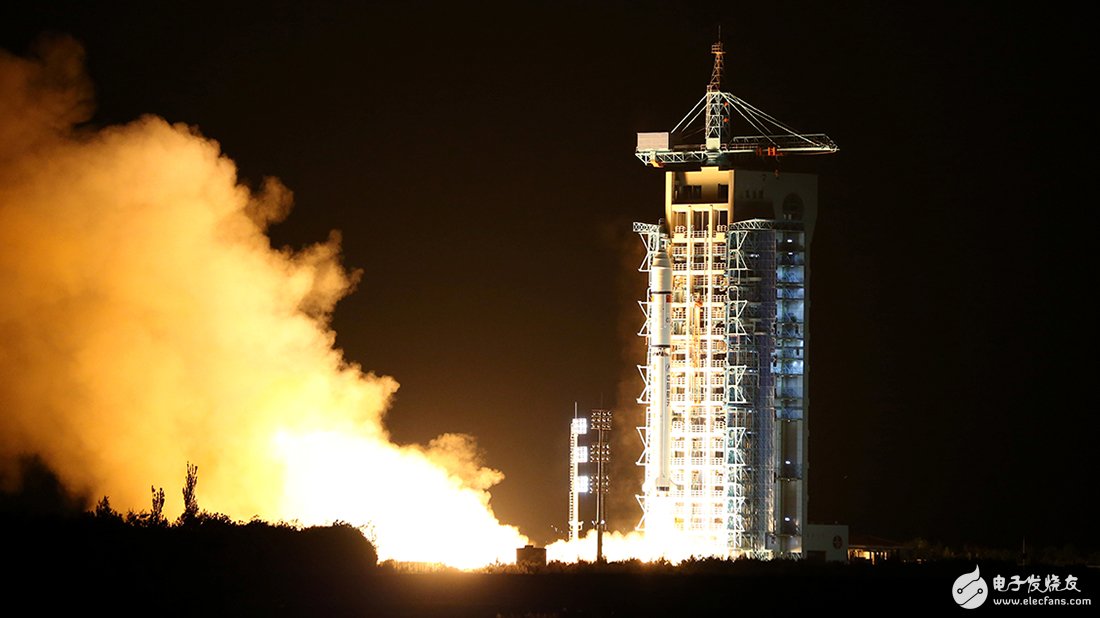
(726, 329)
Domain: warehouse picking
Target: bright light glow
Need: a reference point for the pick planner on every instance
(148, 322)
(633, 545)
(421, 514)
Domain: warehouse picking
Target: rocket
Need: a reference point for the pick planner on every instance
(660, 330)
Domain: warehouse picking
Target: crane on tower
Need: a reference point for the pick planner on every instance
(764, 135)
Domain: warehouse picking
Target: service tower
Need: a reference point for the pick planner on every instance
(726, 329)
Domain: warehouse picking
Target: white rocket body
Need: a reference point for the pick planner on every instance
(660, 331)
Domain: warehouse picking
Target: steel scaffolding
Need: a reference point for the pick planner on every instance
(697, 382)
(767, 292)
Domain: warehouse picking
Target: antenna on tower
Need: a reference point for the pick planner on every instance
(764, 136)
(715, 84)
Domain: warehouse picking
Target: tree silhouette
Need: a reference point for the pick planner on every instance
(104, 512)
(190, 502)
(156, 515)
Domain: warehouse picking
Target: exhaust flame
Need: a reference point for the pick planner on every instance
(147, 322)
(674, 547)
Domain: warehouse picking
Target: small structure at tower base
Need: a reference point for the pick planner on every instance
(530, 556)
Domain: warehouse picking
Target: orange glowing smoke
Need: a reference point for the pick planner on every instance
(146, 322)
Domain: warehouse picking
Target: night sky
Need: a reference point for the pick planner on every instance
(479, 164)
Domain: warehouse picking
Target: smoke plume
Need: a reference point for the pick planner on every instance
(146, 322)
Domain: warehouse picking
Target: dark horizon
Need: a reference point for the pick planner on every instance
(479, 164)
